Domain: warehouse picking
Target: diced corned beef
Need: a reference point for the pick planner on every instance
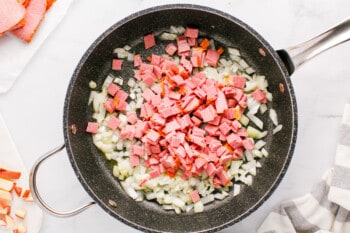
(208, 114)
(171, 126)
(35, 12)
(149, 40)
(132, 118)
(192, 105)
(171, 49)
(200, 93)
(112, 89)
(149, 78)
(196, 121)
(134, 160)
(212, 57)
(191, 32)
(121, 95)
(153, 137)
(211, 169)
(211, 129)
(211, 91)
(137, 60)
(225, 128)
(192, 42)
(175, 141)
(154, 173)
(236, 126)
(225, 158)
(200, 141)
(198, 131)
(239, 82)
(137, 150)
(182, 45)
(109, 105)
(180, 151)
(169, 111)
(248, 144)
(158, 119)
(186, 64)
(156, 60)
(216, 120)
(12, 13)
(117, 64)
(259, 96)
(155, 149)
(92, 127)
(234, 140)
(221, 103)
(224, 179)
(195, 196)
(174, 95)
(185, 121)
(148, 95)
(121, 106)
(168, 161)
(127, 132)
(113, 122)
(199, 162)
(178, 80)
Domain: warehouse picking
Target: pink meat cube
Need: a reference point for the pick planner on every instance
(92, 127)
(121, 95)
(112, 89)
(194, 196)
(208, 114)
(234, 140)
(109, 105)
(113, 122)
(259, 96)
(117, 64)
(211, 169)
(212, 57)
(137, 60)
(199, 162)
(132, 118)
(225, 128)
(221, 103)
(191, 32)
(137, 150)
(134, 160)
(154, 173)
(121, 105)
(153, 137)
(149, 40)
(248, 144)
(171, 49)
(239, 82)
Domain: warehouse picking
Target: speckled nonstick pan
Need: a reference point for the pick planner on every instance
(94, 172)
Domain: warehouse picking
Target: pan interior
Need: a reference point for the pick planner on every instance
(94, 172)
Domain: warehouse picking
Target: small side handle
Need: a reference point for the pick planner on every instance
(35, 193)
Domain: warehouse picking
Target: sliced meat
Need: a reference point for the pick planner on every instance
(12, 15)
(34, 14)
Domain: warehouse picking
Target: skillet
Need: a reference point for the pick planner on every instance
(94, 172)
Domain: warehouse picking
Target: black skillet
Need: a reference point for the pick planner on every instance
(94, 172)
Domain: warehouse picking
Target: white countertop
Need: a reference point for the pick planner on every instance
(33, 108)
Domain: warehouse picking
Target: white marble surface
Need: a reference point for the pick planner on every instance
(33, 108)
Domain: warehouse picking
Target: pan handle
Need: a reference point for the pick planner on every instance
(295, 56)
(35, 193)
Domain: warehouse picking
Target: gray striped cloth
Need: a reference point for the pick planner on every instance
(327, 207)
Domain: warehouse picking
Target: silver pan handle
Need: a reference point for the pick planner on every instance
(297, 55)
(35, 193)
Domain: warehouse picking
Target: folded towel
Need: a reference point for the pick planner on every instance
(327, 207)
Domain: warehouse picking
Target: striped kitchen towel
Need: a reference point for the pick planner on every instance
(327, 207)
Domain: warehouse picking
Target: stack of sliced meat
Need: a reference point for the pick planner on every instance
(22, 17)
